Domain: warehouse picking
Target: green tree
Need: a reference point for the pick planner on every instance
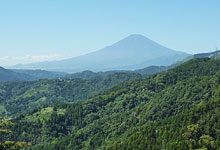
(9, 145)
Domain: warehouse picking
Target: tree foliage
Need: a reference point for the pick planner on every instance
(20, 97)
(9, 145)
(175, 109)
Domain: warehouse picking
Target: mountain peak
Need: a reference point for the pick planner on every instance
(137, 43)
(136, 37)
(133, 40)
(133, 52)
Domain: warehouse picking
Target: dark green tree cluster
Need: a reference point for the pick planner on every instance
(9, 145)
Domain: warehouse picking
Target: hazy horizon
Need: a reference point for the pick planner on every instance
(29, 59)
(53, 30)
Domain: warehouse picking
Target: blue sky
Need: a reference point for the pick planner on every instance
(38, 30)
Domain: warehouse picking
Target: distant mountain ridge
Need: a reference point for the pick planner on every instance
(8, 75)
(133, 52)
(214, 54)
(41, 74)
(87, 74)
(26, 75)
(31, 75)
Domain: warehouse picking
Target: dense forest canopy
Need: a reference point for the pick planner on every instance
(175, 109)
(17, 97)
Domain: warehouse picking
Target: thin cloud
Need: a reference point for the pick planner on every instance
(13, 60)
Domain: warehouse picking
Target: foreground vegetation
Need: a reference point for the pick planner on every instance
(175, 109)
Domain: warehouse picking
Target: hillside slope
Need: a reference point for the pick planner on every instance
(41, 74)
(169, 110)
(18, 97)
(147, 71)
(8, 75)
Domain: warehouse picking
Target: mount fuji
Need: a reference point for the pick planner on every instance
(133, 52)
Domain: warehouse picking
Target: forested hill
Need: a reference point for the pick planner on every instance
(41, 74)
(27, 75)
(176, 109)
(147, 71)
(8, 75)
(18, 97)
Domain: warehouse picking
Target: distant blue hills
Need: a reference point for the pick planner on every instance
(30, 75)
(133, 52)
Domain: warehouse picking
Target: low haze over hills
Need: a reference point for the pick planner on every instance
(133, 52)
(26, 75)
